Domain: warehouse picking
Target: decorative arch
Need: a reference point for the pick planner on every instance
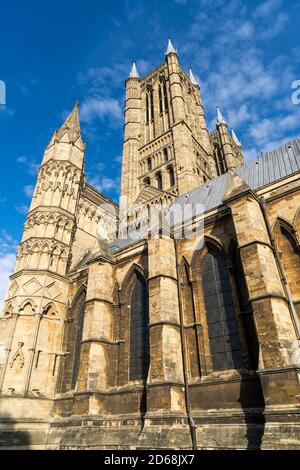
(285, 227)
(50, 311)
(126, 283)
(27, 307)
(296, 222)
(200, 251)
(8, 311)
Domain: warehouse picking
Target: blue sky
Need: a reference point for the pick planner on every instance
(245, 54)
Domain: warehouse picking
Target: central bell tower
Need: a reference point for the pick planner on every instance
(167, 148)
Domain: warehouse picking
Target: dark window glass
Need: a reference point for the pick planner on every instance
(223, 331)
(81, 309)
(160, 100)
(149, 164)
(166, 157)
(147, 109)
(139, 331)
(166, 97)
(171, 176)
(152, 105)
(159, 181)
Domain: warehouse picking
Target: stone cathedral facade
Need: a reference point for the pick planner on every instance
(185, 339)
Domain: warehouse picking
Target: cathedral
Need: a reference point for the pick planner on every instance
(171, 320)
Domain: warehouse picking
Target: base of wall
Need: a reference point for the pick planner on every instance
(222, 431)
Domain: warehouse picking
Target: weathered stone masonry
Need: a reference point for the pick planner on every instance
(159, 342)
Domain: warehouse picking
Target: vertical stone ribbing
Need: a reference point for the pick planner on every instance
(132, 131)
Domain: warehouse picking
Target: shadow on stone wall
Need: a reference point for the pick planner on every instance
(251, 393)
(10, 436)
(143, 405)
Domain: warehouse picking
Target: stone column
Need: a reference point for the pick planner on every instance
(229, 157)
(176, 94)
(166, 391)
(132, 130)
(97, 342)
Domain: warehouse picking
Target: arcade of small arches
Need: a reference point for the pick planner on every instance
(38, 254)
(49, 225)
(156, 160)
(56, 185)
(159, 180)
(29, 307)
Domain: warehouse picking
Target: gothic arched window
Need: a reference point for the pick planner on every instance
(161, 109)
(76, 321)
(159, 180)
(223, 328)
(80, 309)
(171, 176)
(152, 104)
(147, 181)
(149, 164)
(139, 331)
(189, 319)
(147, 110)
(165, 152)
(166, 98)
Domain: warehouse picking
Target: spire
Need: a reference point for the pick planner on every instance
(220, 119)
(71, 125)
(134, 73)
(235, 139)
(171, 48)
(193, 79)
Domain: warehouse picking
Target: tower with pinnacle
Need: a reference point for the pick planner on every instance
(60, 229)
(168, 149)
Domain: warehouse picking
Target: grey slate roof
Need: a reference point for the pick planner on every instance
(266, 169)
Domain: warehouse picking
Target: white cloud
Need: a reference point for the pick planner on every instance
(8, 247)
(104, 183)
(28, 190)
(266, 8)
(21, 208)
(237, 117)
(239, 74)
(97, 107)
(275, 27)
(30, 164)
(7, 264)
(5, 111)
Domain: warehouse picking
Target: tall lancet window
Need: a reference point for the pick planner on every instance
(166, 98)
(161, 109)
(171, 176)
(147, 109)
(223, 328)
(159, 180)
(149, 105)
(139, 331)
(152, 104)
(74, 338)
(80, 307)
